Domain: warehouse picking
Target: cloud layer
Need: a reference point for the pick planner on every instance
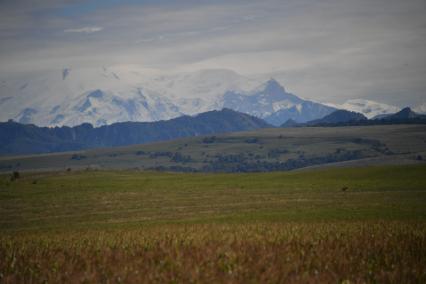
(328, 50)
(86, 30)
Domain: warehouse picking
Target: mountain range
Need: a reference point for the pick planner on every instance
(350, 118)
(102, 96)
(16, 138)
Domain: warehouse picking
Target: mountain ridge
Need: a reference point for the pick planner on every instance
(102, 96)
(16, 138)
(350, 118)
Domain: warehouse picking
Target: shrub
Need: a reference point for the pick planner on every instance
(251, 140)
(15, 175)
(78, 157)
(209, 140)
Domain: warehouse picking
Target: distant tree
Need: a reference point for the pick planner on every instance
(15, 175)
(78, 157)
(180, 158)
(209, 140)
(252, 140)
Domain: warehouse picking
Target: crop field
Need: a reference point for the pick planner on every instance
(336, 225)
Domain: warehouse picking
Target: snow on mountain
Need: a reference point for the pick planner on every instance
(420, 108)
(112, 94)
(367, 107)
(271, 102)
(71, 96)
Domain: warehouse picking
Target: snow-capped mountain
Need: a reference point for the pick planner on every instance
(71, 96)
(271, 102)
(367, 107)
(107, 95)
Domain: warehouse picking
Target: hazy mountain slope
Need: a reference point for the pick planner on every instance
(103, 96)
(17, 138)
(271, 102)
(404, 114)
(367, 107)
(421, 108)
(106, 95)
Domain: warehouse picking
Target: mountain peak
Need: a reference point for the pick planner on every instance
(406, 110)
(273, 85)
(405, 113)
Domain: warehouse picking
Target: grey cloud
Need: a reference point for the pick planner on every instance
(328, 50)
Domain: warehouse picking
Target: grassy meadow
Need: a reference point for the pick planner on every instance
(263, 150)
(346, 225)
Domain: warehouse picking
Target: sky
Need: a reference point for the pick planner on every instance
(328, 50)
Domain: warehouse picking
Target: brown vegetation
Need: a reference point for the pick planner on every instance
(383, 252)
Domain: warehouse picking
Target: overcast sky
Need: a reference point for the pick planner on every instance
(328, 50)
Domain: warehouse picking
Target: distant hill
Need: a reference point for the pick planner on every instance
(339, 116)
(405, 113)
(272, 149)
(350, 118)
(16, 138)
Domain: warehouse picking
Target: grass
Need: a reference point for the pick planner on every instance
(132, 226)
(246, 151)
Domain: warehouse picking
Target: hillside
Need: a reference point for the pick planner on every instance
(338, 116)
(272, 149)
(18, 138)
(350, 118)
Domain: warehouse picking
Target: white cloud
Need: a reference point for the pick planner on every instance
(86, 30)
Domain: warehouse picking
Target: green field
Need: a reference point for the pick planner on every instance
(136, 226)
(263, 150)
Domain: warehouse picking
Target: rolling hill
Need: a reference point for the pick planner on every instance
(18, 138)
(272, 149)
(338, 116)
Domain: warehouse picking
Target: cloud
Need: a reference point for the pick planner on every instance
(86, 30)
(329, 50)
